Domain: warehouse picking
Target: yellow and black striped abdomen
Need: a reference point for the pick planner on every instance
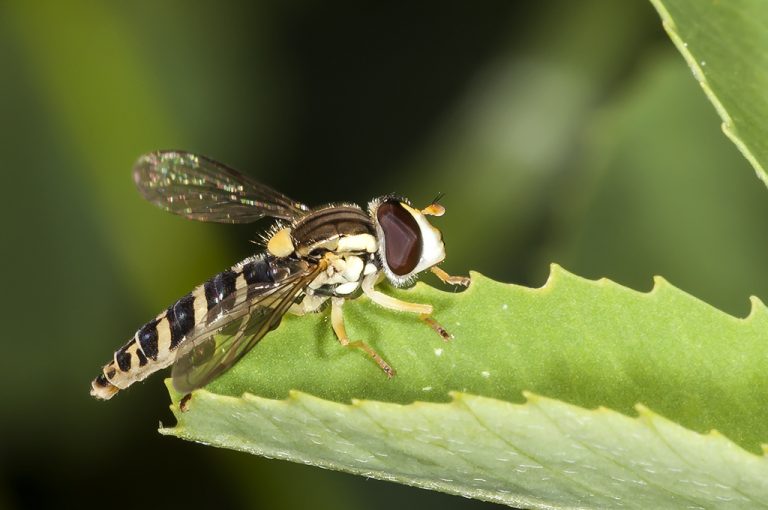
(154, 345)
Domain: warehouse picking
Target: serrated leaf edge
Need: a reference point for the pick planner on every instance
(758, 309)
(644, 415)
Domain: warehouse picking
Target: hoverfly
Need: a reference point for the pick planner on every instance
(333, 252)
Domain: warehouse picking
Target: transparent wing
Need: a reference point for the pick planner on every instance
(202, 189)
(234, 326)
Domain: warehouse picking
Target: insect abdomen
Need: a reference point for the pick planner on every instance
(153, 346)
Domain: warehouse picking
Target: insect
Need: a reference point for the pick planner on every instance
(312, 256)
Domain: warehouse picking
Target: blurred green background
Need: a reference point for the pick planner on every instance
(568, 132)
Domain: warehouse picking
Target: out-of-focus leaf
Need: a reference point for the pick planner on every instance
(109, 119)
(725, 45)
(660, 191)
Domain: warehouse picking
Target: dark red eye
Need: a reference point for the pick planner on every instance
(402, 237)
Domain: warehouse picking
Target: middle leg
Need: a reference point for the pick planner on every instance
(337, 321)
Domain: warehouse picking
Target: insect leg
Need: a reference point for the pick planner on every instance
(448, 279)
(436, 327)
(337, 321)
(424, 311)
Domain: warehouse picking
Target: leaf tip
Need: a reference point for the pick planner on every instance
(555, 271)
(458, 398)
(531, 398)
(643, 411)
(297, 396)
(714, 434)
(603, 410)
(758, 309)
(659, 283)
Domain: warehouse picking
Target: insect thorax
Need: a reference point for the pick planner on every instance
(343, 228)
(345, 236)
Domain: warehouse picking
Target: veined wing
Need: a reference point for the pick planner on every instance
(202, 189)
(234, 326)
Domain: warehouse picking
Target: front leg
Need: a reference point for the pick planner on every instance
(424, 311)
(450, 280)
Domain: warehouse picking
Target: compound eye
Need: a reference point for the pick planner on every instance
(402, 237)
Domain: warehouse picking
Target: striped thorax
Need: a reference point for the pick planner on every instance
(331, 253)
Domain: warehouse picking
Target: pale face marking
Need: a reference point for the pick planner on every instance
(432, 247)
(433, 251)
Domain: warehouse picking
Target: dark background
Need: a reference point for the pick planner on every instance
(568, 132)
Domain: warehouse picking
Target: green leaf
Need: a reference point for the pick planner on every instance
(588, 344)
(540, 454)
(654, 194)
(724, 44)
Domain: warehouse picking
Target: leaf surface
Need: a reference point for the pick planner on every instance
(571, 346)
